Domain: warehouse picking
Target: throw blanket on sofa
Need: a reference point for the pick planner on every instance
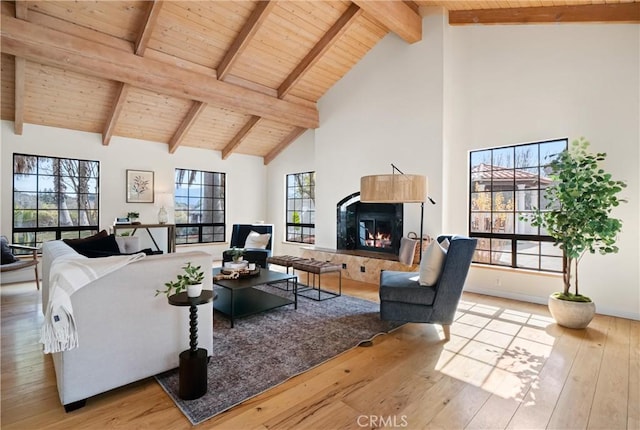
(68, 274)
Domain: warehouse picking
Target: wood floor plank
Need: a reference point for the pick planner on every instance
(576, 399)
(633, 413)
(609, 410)
(537, 404)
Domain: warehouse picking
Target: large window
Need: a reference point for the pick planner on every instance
(301, 207)
(199, 206)
(54, 198)
(508, 182)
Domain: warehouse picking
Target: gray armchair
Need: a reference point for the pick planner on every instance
(402, 298)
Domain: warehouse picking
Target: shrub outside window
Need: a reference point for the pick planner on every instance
(507, 182)
(301, 207)
(54, 198)
(199, 206)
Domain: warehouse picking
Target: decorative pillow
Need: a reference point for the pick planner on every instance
(432, 262)
(96, 236)
(407, 250)
(102, 247)
(7, 255)
(256, 240)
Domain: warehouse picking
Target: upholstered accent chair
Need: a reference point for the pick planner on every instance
(10, 262)
(402, 298)
(239, 235)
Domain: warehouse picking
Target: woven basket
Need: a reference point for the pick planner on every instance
(426, 240)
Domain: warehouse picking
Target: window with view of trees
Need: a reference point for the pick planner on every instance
(54, 198)
(199, 206)
(301, 207)
(507, 182)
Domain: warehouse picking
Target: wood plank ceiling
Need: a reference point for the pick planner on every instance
(231, 76)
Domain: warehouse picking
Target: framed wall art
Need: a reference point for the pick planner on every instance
(139, 186)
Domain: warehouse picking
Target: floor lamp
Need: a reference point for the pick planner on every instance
(396, 188)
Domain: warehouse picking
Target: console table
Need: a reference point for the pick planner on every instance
(193, 361)
(171, 233)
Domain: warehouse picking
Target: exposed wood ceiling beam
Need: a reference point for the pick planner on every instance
(20, 67)
(114, 115)
(613, 12)
(149, 25)
(20, 72)
(21, 9)
(296, 133)
(249, 30)
(396, 16)
(239, 137)
(187, 123)
(323, 45)
(48, 46)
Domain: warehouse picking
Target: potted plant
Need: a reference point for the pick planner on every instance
(133, 216)
(236, 254)
(191, 281)
(577, 217)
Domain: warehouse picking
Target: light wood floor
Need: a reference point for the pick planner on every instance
(507, 366)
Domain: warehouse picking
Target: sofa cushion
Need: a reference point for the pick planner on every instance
(256, 240)
(101, 247)
(7, 255)
(404, 287)
(432, 262)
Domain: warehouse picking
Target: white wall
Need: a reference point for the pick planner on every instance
(515, 84)
(246, 175)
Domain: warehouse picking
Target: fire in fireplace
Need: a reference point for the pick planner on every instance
(369, 226)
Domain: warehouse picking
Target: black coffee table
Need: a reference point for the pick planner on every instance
(239, 298)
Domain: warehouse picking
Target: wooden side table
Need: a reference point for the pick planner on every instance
(193, 361)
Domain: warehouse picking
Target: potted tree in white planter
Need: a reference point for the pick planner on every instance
(577, 216)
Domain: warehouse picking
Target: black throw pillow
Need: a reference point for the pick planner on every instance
(102, 247)
(7, 255)
(100, 235)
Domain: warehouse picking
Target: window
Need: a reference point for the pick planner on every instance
(54, 198)
(199, 206)
(301, 207)
(505, 183)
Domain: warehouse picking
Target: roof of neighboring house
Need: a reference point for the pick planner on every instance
(486, 172)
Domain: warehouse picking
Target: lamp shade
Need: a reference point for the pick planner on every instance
(393, 189)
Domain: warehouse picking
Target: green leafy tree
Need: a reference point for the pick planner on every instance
(578, 215)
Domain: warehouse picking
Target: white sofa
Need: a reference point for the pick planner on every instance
(125, 332)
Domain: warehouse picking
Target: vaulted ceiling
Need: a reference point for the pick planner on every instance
(231, 76)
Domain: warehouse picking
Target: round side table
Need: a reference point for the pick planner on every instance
(193, 361)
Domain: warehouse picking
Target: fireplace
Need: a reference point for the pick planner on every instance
(375, 227)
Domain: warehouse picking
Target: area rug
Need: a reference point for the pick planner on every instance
(266, 349)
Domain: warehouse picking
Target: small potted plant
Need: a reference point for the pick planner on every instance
(133, 217)
(578, 218)
(236, 254)
(190, 280)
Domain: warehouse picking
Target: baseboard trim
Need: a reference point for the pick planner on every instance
(543, 301)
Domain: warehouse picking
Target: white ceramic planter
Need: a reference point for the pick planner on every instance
(194, 290)
(571, 314)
